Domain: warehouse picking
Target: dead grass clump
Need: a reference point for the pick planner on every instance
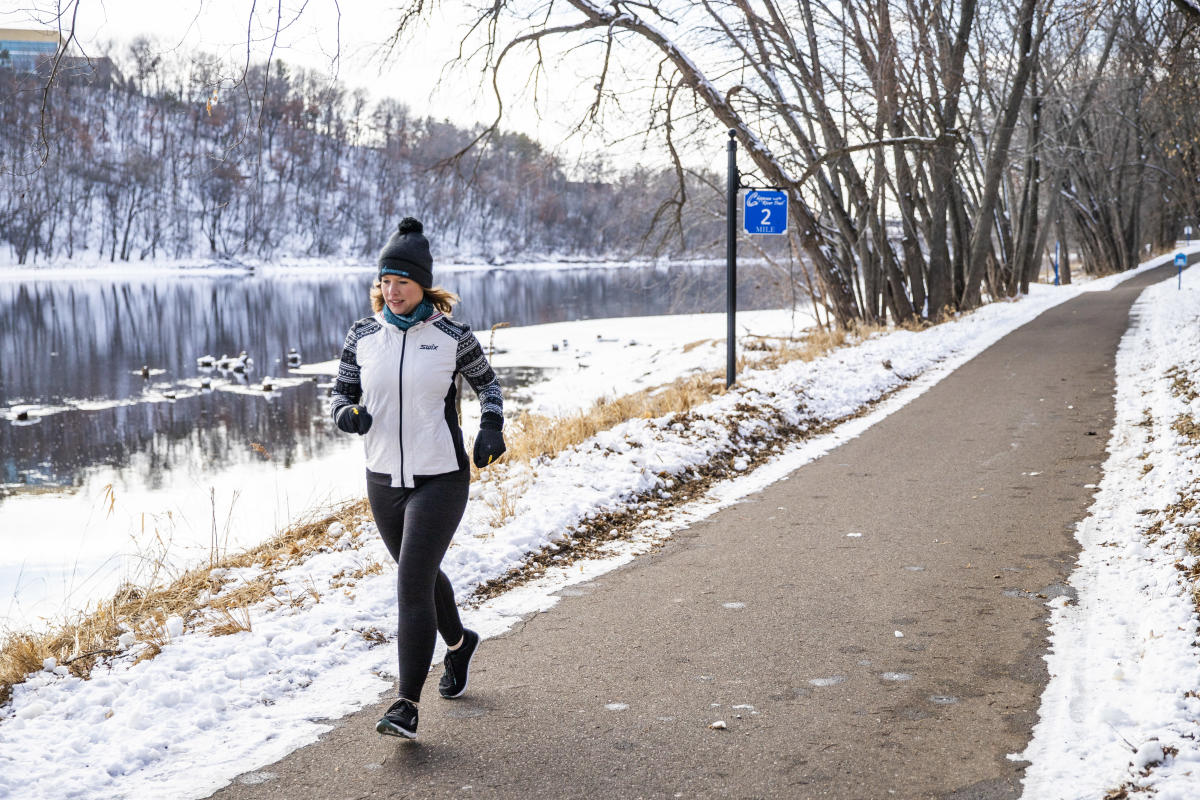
(23, 653)
(374, 636)
(1193, 574)
(535, 435)
(136, 616)
(348, 578)
(778, 351)
(1183, 506)
(808, 348)
(81, 643)
(1181, 383)
(300, 540)
(503, 505)
(1181, 511)
(233, 620)
(232, 608)
(1185, 425)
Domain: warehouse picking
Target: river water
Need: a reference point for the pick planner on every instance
(122, 459)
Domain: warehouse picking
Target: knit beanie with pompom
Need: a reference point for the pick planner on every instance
(407, 254)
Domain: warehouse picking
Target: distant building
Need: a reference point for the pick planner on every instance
(25, 50)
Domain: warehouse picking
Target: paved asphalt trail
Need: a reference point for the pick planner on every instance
(965, 500)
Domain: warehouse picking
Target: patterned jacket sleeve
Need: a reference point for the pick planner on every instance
(347, 390)
(474, 366)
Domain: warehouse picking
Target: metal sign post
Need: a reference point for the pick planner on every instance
(764, 212)
(731, 261)
(1180, 263)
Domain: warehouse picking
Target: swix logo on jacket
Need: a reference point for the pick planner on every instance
(406, 381)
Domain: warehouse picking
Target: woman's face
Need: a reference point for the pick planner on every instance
(401, 294)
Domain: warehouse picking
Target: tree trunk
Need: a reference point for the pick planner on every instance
(942, 291)
(981, 233)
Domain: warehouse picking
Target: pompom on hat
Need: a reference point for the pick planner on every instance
(407, 254)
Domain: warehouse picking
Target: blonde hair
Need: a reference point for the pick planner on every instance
(443, 299)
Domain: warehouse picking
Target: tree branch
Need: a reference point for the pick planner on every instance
(43, 142)
(1190, 9)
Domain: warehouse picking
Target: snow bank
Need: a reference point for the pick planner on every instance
(1124, 666)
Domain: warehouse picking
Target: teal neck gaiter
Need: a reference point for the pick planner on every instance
(422, 312)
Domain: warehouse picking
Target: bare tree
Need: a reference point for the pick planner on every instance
(855, 119)
(929, 149)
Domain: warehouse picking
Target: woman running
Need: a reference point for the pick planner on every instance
(396, 389)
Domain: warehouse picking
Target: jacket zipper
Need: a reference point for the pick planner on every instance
(400, 393)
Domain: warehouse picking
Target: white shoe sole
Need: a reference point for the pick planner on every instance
(388, 728)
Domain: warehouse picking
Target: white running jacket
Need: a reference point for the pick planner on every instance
(406, 380)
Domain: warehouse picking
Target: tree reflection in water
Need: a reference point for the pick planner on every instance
(80, 346)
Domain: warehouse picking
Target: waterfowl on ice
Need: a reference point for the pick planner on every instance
(242, 364)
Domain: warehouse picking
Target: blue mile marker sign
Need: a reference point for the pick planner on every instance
(765, 211)
(1180, 263)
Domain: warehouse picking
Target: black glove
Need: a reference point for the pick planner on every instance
(355, 419)
(489, 445)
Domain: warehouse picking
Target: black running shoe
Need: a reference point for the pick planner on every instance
(458, 666)
(399, 720)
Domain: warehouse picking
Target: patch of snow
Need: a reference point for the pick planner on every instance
(1123, 660)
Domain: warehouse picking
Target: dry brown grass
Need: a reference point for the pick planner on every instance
(531, 436)
(1182, 511)
(1193, 547)
(81, 643)
(503, 506)
(347, 578)
(233, 620)
(1181, 383)
(1185, 425)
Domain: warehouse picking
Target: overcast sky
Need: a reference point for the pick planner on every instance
(345, 39)
(342, 39)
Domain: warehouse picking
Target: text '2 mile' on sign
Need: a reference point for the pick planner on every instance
(765, 212)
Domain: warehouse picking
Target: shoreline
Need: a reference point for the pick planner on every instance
(80, 268)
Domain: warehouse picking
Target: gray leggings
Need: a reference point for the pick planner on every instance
(417, 526)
